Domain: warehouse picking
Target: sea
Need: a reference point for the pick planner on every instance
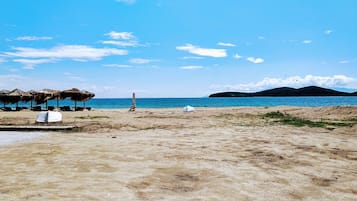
(116, 103)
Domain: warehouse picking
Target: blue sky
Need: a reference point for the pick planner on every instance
(177, 48)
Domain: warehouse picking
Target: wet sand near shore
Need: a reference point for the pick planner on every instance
(166, 154)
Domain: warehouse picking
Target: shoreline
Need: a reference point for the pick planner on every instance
(198, 107)
(210, 102)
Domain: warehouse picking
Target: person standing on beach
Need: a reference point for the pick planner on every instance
(133, 103)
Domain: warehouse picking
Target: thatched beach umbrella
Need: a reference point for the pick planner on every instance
(3, 97)
(46, 94)
(26, 97)
(14, 96)
(53, 94)
(33, 94)
(76, 95)
(86, 95)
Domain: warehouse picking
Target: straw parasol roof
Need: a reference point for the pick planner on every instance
(14, 96)
(26, 96)
(3, 97)
(86, 95)
(76, 95)
(46, 94)
(3, 92)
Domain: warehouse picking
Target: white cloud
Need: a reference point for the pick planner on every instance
(141, 61)
(121, 43)
(74, 52)
(226, 44)
(344, 62)
(117, 65)
(30, 63)
(328, 32)
(32, 38)
(203, 51)
(307, 41)
(12, 81)
(237, 56)
(120, 35)
(65, 81)
(2, 60)
(255, 60)
(261, 37)
(335, 81)
(122, 39)
(191, 67)
(126, 1)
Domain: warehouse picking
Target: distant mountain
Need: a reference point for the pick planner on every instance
(287, 91)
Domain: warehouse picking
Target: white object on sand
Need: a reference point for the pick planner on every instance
(49, 117)
(188, 108)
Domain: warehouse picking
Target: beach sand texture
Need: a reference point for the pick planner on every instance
(166, 154)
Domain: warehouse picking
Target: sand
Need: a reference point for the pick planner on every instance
(166, 154)
(11, 137)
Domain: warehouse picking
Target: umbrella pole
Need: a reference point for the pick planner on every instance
(31, 105)
(57, 103)
(75, 105)
(46, 105)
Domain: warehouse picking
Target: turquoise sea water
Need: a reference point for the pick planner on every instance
(104, 103)
(112, 103)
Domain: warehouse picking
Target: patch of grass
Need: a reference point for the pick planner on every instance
(92, 117)
(342, 123)
(275, 115)
(288, 119)
(295, 121)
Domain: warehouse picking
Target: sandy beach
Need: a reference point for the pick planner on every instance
(166, 154)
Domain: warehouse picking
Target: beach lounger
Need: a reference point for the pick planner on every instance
(7, 109)
(65, 108)
(79, 109)
(36, 108)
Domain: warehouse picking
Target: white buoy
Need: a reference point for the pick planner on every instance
(188, 108)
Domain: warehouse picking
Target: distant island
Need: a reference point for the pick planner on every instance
(286, 91)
